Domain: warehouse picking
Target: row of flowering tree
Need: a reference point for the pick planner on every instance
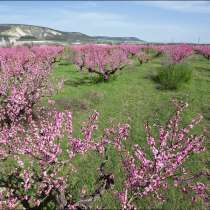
(36, 165)
(203, 50)
(176, 53)
(105, 60)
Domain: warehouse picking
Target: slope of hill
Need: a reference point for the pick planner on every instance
(21, 32)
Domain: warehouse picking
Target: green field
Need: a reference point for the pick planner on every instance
(131, 96)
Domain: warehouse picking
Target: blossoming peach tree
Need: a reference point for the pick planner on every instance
(24, 79)
(35, 152)
(137, 51)
(102, 60)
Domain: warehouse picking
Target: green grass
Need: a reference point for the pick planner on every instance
(132, 97)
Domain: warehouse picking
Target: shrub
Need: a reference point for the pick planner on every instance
(173, 76)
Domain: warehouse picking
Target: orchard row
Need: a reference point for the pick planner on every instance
(31, 137)
(105, 60)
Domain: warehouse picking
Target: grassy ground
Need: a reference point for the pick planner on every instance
(133, 97)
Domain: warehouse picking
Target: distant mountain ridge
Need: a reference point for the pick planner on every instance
(22, 32)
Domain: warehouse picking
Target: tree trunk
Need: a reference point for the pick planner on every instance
(106, 77)
(60, 200)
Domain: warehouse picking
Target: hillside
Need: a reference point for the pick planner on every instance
(21, 32)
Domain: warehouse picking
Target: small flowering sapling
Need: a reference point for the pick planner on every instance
(36, 180)
(147, 177)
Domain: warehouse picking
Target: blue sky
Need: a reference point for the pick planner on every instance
(165, 21)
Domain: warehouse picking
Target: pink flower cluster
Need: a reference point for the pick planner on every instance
(78, 145)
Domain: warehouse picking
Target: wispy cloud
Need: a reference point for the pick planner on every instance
(181, 6)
